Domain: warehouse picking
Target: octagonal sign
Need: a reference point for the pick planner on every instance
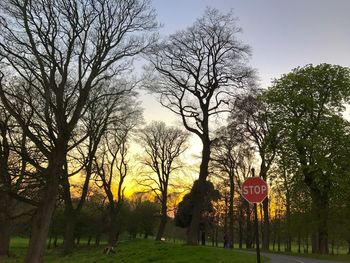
(254, 190)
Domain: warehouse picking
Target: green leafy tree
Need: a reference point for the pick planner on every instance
(307, 104)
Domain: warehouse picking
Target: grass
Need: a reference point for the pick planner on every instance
(340, 257)
(138, 251)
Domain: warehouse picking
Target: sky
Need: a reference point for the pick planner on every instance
(283, 34)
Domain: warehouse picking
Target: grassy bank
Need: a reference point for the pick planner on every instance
(138, 251)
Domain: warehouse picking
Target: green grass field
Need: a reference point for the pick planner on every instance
(141, 251)
(138, 251)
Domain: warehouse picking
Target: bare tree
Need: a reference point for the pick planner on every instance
(63, 49)
(163, 147)
(244, 167)
(104, 109)
(16, 182)
(111, 164)
(227, 151)
(5, 184)
(197, 71)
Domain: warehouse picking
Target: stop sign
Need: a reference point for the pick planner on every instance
(254, 190)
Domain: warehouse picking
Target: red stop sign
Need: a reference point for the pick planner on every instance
(254, 190)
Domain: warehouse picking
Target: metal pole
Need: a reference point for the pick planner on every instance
(257, 233)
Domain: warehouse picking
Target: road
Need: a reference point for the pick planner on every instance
(276, 258)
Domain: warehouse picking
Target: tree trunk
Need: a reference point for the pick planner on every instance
(240, 226)
(4, 238)
(42, 219)
(274, 239)
(97, 239)
(320, 205)
(161, 228)
(249, 239)
(323, 237)
(198, 195)
(226, 214)
(78, 240)
(323, 225)
(49, 243)
(69, 234)
(55, 240)
(266, 225)
(213, 237)
(112, 233)
(5, 225)
(314, 242)
(320, 211)
(163, 220)
(203, 238)
(230, 211)
(279, 234)
(192, 237)
(289, 234)
(332, 244)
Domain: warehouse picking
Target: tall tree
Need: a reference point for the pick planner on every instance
(226, 157)
(197, 71)
(307, 104)
(288, 191)
(63, 50)
(107, 106)
(16, 180)
(163, 147)
(251, 115)
(5, 184)
(111, 163)
(244, 166)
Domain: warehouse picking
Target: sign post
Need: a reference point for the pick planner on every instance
(257, 233)
(254, 190)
